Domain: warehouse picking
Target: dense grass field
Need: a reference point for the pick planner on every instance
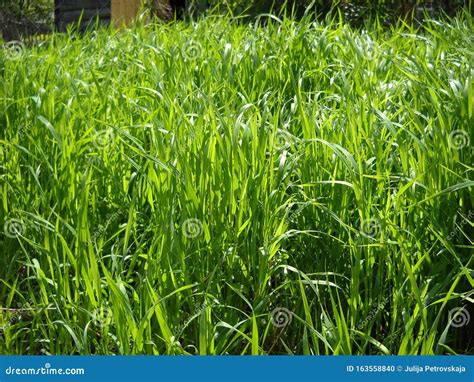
(225, 188)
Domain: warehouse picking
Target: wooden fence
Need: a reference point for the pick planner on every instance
(67, 12)
(124, 11)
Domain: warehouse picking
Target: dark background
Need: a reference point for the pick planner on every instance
(23, 19)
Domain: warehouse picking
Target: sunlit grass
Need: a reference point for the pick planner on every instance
(217, 188)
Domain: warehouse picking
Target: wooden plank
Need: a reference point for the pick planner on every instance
(124, 11)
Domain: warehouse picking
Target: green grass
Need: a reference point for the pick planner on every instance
(219, 188)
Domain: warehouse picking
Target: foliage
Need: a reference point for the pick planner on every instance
(220, 188)
(396, 7)
(20, 18)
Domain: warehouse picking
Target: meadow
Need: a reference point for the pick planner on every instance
(219, 187)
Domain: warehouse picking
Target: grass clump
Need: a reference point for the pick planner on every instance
(218, 188)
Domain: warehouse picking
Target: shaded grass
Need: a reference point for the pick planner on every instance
(214, 188)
